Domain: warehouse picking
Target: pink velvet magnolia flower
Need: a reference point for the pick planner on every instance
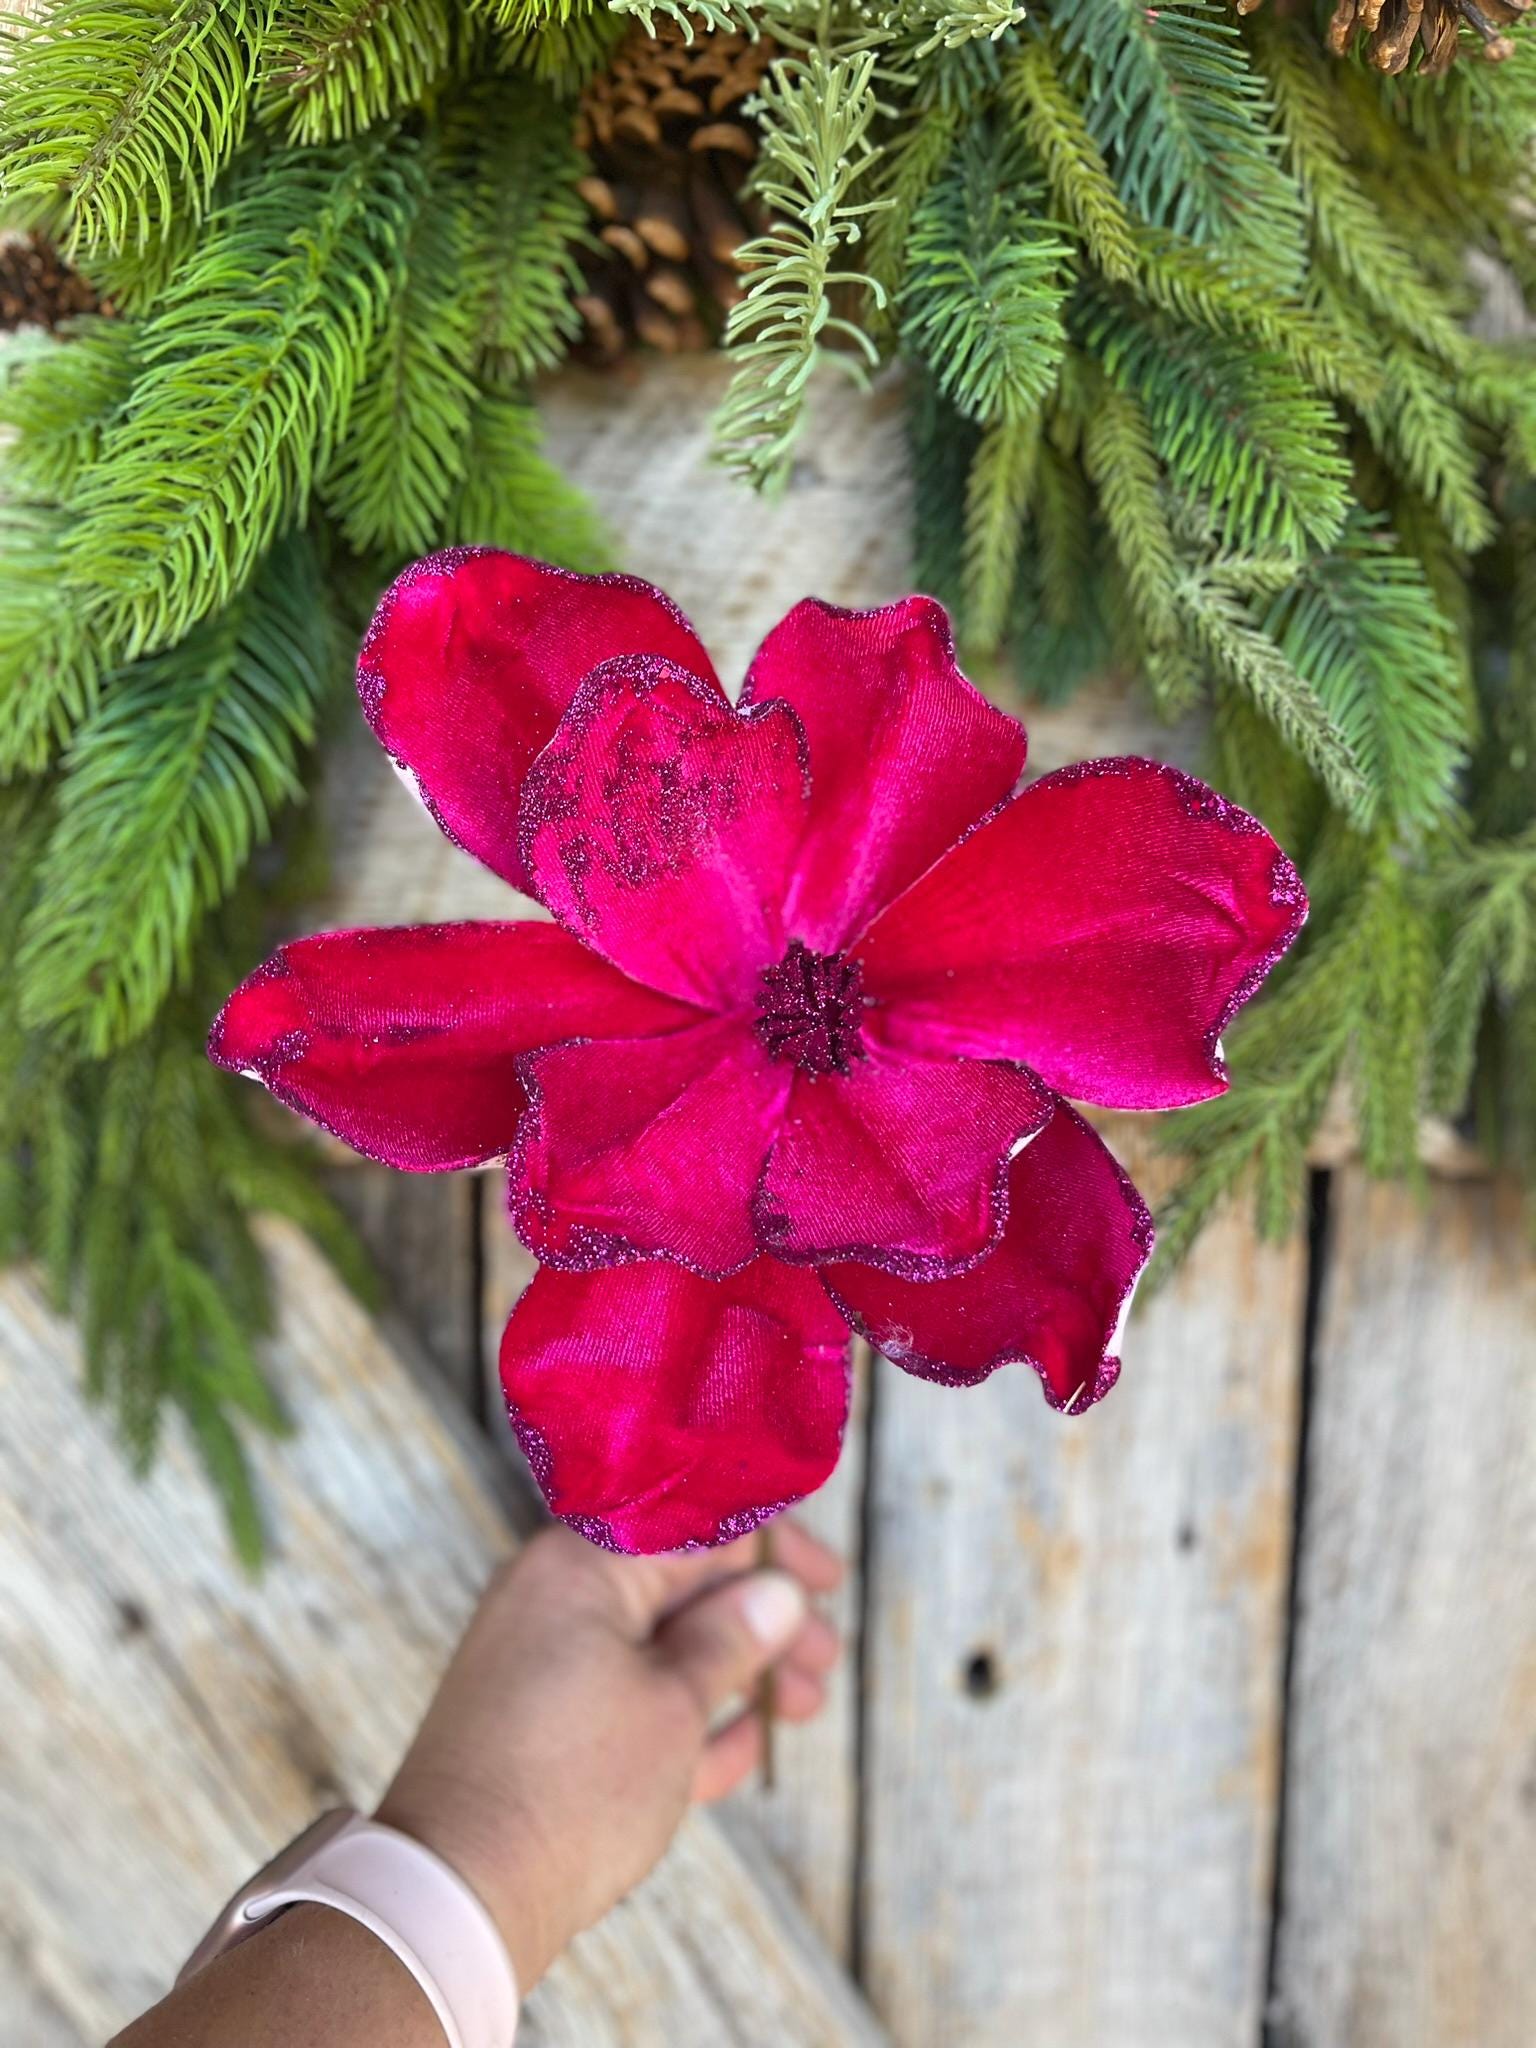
(791, 1057)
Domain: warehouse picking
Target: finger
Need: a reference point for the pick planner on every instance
(641, 1592)
(647, 1589)
(728, 1760)
(797, 1695)
(817, 1647)
(720, 1641)
(735, 1750)
(792, 1548)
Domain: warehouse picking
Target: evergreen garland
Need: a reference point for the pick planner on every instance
(1196, 390)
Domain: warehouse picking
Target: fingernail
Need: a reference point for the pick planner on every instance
(773, 1606)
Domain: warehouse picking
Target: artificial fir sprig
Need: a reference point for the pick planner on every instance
(817, 115)
(332, 68)
(250, 364)
(169, 787)
(132, 1181)
(1265, 459)
(125, 114)
(403, 450)
(986, 284)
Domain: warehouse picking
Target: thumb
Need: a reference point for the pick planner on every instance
(720, 1642)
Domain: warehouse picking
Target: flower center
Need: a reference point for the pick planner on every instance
(811, 1010)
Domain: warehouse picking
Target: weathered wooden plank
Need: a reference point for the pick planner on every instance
(421, 1231)
(1075, 1651)
(809, 1821)
(506, 1267)
(1408, 1902)
(164, 1722)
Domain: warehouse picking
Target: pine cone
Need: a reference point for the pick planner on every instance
(37, 287)
(1391, 28)
(670, 148)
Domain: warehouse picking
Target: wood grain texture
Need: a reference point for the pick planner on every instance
(506, 1267)
(164, 1723)
(809, 1821)
(1409, 1891)
(1075, 1656)
(420, 1229)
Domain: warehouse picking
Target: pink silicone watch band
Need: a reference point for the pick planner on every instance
(419, 1908)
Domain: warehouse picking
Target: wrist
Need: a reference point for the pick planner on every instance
(497, 1858)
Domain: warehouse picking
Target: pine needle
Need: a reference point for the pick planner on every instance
(986, 285)
(129, 112)
(165, 793)
(249, 365)
(816, 117)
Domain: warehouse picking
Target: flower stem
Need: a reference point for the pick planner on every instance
(766, 1685)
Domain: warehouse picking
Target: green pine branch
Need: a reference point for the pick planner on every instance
(941, 449)
(1312, 118)
(1204, 288)
(1353, 1011)
(1487, 894)
(905, 173)
(559, 43)
(986, 284)
(1082, 190)
(816, 116)
(58, 397)
(406, 449)
(1361, 625)
(1184, 121)
(1238, 429)
(334, 68)
(126, 113)
(1211, 600)
(1413, 418)
(165, 793)
(249, 367)
(714, 17)
(513, 497)
(527, 221)
(1121, 461)
(50, 662)
(997, 498)
(132, 1181)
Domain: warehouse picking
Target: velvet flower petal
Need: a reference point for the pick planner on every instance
(660, 1411)
(906, 754)
(647, 1148)
(471, 659)
(404, 1043)
(1105, 926)
(1054, 1294)
(902, 1162)
(659, 826)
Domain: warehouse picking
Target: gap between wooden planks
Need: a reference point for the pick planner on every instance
(1407, 1900)
(165, 1722)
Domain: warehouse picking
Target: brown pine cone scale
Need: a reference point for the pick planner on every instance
(1391, 29)
(670, 144)
(37, 287)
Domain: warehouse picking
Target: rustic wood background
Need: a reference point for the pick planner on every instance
(1207, 1720)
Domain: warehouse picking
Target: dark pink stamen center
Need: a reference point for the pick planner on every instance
(811, 1010)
